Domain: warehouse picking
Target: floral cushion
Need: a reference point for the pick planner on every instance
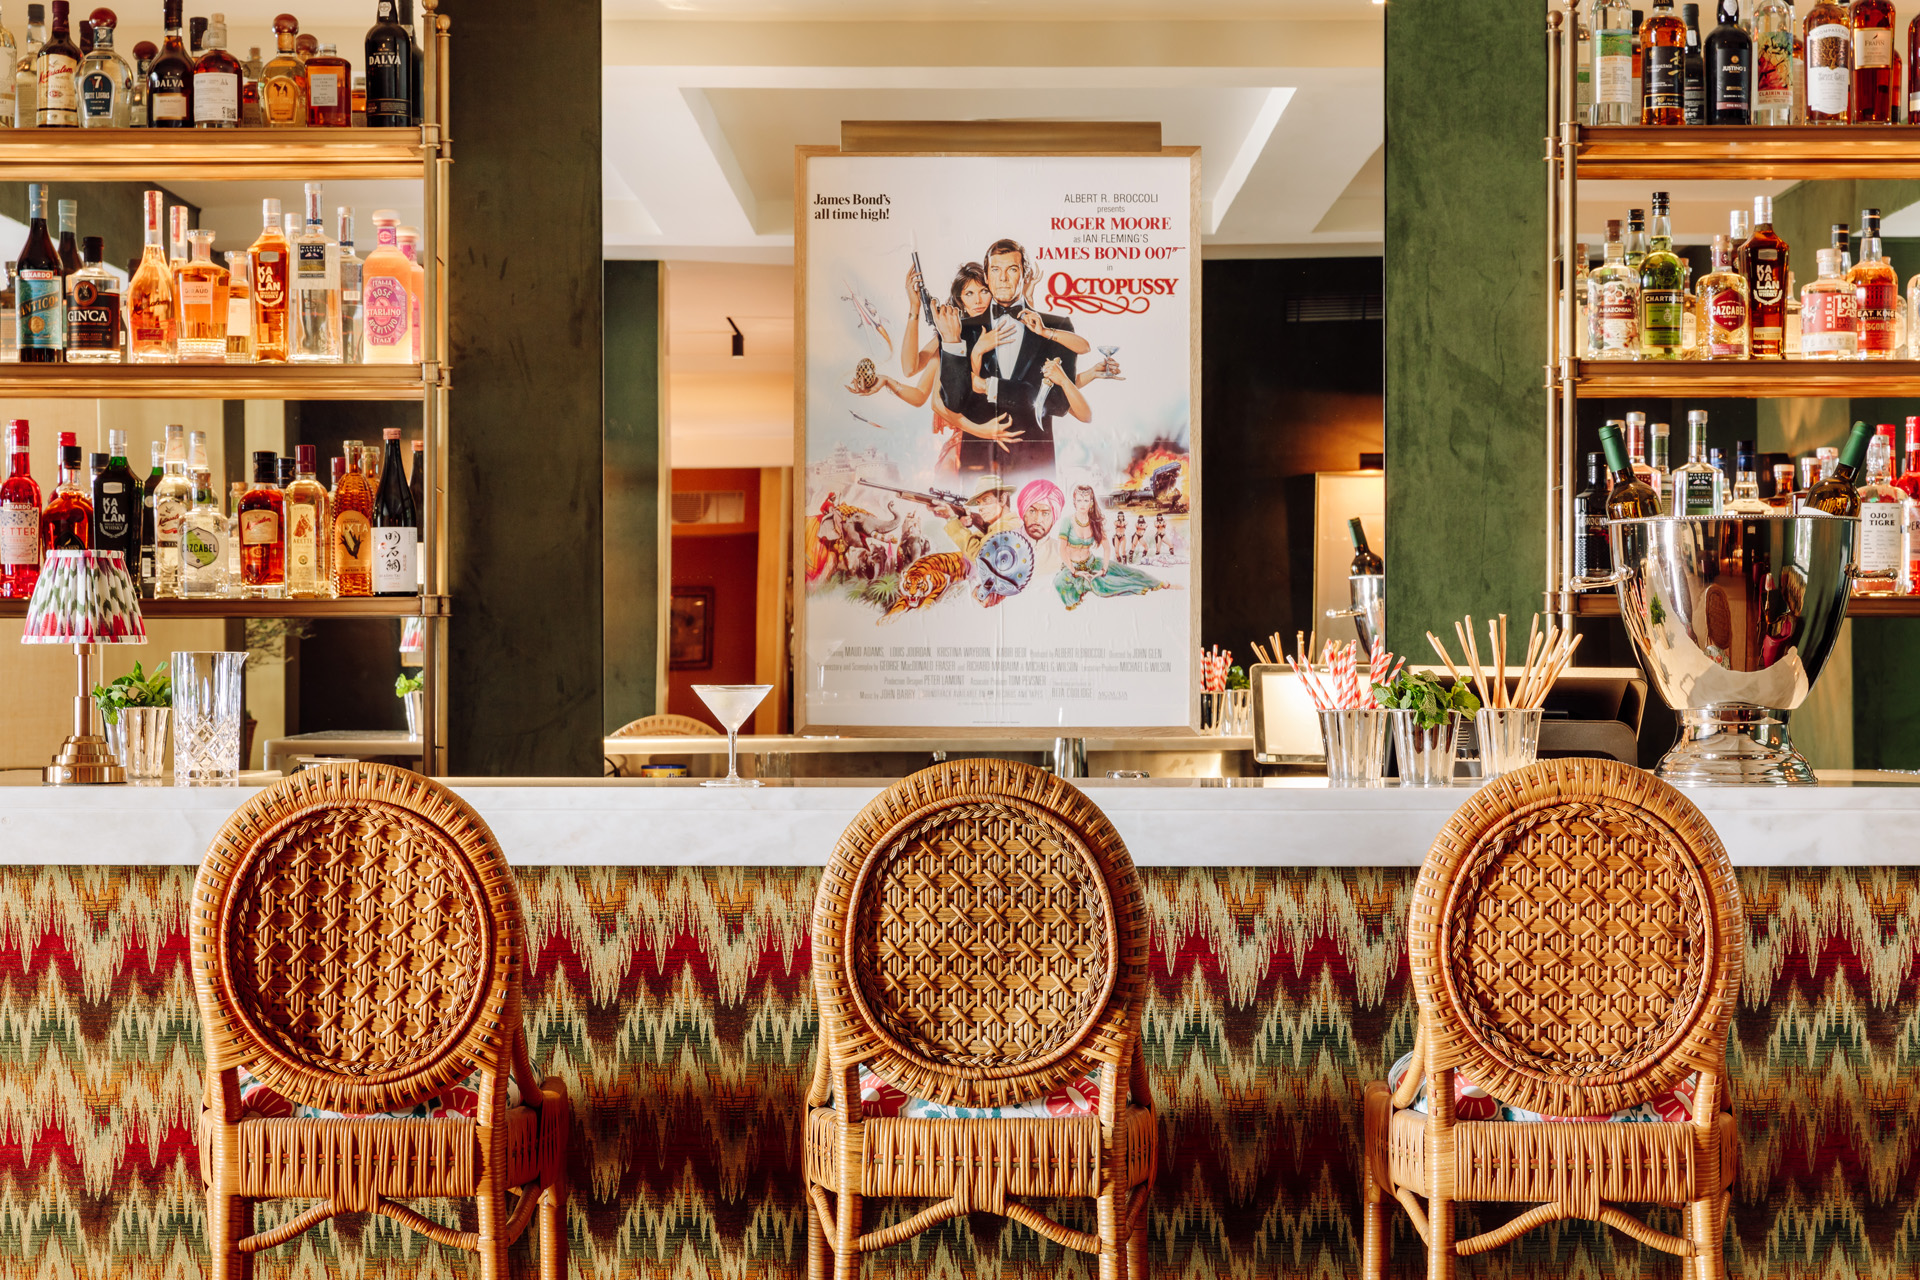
(455, 1102)
(880, 1100)
(1470, 1102)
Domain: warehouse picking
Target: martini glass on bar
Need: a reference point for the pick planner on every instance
(731, 704)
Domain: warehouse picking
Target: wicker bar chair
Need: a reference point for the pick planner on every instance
(655, 726)
(1576, 938)
(357, 947)
(978, 939)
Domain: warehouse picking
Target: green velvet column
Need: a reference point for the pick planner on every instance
(1465, 329)
(525, 477)
(635, 458)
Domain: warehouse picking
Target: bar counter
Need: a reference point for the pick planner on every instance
(1852, 819)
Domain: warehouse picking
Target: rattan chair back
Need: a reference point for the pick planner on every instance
(356, 937)
(665, 726)
(1576, 939)
(979, 937)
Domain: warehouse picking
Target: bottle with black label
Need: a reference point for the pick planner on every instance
(1729, 69)
(1592, 555)
(93, 309)
(1693, 90)
(117, 495)
(149, 565)
(170, 79)
(390, 73)
(396, 527)
(1663, 66)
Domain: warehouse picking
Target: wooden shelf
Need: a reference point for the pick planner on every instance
(374, 607)
(1605, 604)
(238, 155)
(212, 381)
(1747, 379)
(1699, 153)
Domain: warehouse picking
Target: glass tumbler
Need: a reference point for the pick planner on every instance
(138, 738)
(1509, 739)
(208, 693)
(1356, 744)
(1426, 756)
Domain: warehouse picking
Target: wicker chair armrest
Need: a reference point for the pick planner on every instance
(1416, 1070)
(1377, 1109)
(523, 1073)
(820, 1091)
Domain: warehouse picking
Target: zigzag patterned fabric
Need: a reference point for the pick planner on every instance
(677, 1005)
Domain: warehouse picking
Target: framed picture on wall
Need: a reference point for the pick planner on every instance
(997, 496)
(690, 629)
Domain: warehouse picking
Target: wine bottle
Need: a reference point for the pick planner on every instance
(40, 294)
(396, 526)
(1365, 563)
(1630, 498)
(1838, 494)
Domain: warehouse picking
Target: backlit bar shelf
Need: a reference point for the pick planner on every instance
(236, 155)
(1747, 379)
(370, 607)
(1599, 604)
(1700, 153)
(212, 381)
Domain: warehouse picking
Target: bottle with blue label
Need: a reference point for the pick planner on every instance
(106, 81)
(39, 288)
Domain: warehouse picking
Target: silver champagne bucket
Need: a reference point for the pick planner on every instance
(1368, 591)
(1734, 617)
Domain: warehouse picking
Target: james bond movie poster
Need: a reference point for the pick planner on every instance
(998, 478)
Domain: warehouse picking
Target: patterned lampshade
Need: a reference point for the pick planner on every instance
(84, 597)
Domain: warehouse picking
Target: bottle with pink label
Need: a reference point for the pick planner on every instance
(1829, 311)
(386, 296)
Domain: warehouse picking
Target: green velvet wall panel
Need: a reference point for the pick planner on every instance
(634, 459)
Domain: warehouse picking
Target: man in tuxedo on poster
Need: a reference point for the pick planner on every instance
(1014, 372)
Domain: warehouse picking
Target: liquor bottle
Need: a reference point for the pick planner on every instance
(56, 67)
(409, 241)
(329, 89)
(1767, 263)
(1629, 497)
(396, 530)
(216, 80)
(1880, 555)
(415, 101)
(1637, 444)
(67, 522)
(177, 228)
(1581, 321)
(9, 57)
(196, 28)
(1829, 58)
(272, 281)
(1909, 479)
(203, 544)
(170, 79)
(350, 549)
(1592, 556)
(117, 505)
(1663, 66)
(1835, 494)
(1876, 293)
(138, 116)
(1613, 38)
(1365, 563)
(1746, 500)
(93, 310)
(1696, 484)
(305, 46)
(1723, 298)
(152, 316)
(389, 63)
(1875, 81)
(19, 518)
(352, 334)
(1636, 242)
(1840, 240)
(387, 296)
(417, 483)
(171, 498)
(1662, 289)
(252, 115)
(39, 287)
(106, 82)
(1613, 304)
(1729, 59)
(204, 307)
(1663, 475)
(316, 290)
(262, 516)
(1783, 496)
(26, 84)
(69, 245)
(1693, 93)
(239, 310)
(283, 81)
(1829, 314)
(96, 463)
(307, 526)
(148, 569)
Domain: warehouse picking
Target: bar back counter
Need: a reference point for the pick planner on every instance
(670, 988)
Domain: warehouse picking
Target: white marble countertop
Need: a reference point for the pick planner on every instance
(1853, 819)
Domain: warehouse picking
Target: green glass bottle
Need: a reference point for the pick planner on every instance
(1663, 290)
(1631, 498)
(1839, 493)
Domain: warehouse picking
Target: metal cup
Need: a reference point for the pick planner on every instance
(138, 738)
(1509, 739)
(1426, 756)
(1356, 746)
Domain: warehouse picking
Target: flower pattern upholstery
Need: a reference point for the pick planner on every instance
(1471, 1102)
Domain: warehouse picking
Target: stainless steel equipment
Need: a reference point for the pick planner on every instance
(1734, 617)
(1368, 591)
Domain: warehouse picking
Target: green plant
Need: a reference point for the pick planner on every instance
(1237, 678)
(404, 685)
(1426, 696)
(135, 689)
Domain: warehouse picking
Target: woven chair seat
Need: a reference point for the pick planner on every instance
(1037, 1157)
(1471, 1102)
(881, 1100)
(459, 1101)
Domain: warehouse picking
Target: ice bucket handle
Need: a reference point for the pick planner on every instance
(1346, 613)
(1621, 575)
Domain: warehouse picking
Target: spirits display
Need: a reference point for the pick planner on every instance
(152, 320)
(106, 82)
(203, 305)
(272, 279)
(1876, 293)
(19, 518)
(1829, 313)
(1729, 63)
(117, 503)
(283, 81)
(1662, 291)
(316, 290)
(1723, 297)
(1876, 79)
(170, 79)
(1663, 66)
(67, 522)
(216, 80)
(39, 287)
(93, 310)
(1880, 555)
(262, 537)
(56, 68)
(350, 546)
(203, 544)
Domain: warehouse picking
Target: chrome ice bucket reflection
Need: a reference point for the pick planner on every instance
(1368, 591)
(1734, 617)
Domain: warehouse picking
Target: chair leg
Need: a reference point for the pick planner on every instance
(1373, 1229)
(816, 1242)
(553, 1233)
(492, 1248)
(1707, 1229)
(229, 1220)
(1137, 1248)
(1108, 1207)
(1440, 1226)
(846, 1258)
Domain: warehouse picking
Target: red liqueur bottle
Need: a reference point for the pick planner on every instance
(67, 523)
(19, 519)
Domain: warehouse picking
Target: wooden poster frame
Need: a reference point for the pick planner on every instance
(1015, 139)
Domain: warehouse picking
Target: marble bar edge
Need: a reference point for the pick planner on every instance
(1852, 819)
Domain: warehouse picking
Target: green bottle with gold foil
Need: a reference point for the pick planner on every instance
(1839, 494)
(1631, 498)
(1663, 290)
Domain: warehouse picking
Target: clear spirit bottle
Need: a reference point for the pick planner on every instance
(1663, 477)
(350, 319)
(1882, 555)
(1613, 40)
(203, 286)
(1746, 497)
(203, 544)
(93, 309)
(171, 498)
(1636, 240)
(152, 321)
(1876, 294)
(106, 81)
(1662, 291)
(1828, 314)
(1723, 298)
(26, 84)
(1773, 62)
(9, 57)
(1696, 485)
(316, 289)
(1613, 304)
(143, 55)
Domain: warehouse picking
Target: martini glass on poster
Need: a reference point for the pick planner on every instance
(731, 704)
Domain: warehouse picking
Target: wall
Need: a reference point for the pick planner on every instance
(725, 557)
(635, 459)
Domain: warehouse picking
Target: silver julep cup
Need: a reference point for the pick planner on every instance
(1426, 756)
(1356, 746)
(1509, 739)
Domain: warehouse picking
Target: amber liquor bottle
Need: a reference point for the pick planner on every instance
(170, 79)
(271, 282)
(1876, 293)
(1764, 256)
(308, 526)
(152, 320)
(329, 90)
(1876, 79)
(1663, 66)
(262, 519)
(1829, 62)
(283, 81)
(350, 549)
(67, 523)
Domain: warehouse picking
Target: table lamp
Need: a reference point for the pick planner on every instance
(84, 598)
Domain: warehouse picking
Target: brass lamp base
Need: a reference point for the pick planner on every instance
(84, 760)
